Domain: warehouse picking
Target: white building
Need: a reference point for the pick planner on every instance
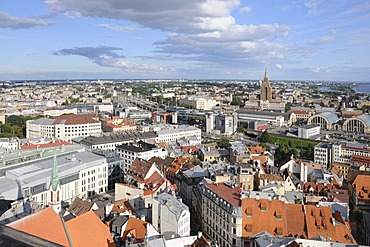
(10, 143)
(170, 216)
(199, 102)
(65, 127)
(81, 174)
(308, 131)
(142, 150)
(222, 214)
(323, 155)
(171, 135)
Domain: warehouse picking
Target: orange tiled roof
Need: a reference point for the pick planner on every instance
(229, 194)
(262, 158)
(304, 221)
(137, 228)
(121, 206)
(88, 230)
(45, 224)
(76, 119)
(256, 150)
(44, 145)
(362, 184)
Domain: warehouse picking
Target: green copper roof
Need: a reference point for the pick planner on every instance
(54, 175)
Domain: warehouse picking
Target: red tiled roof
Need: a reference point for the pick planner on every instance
(229, 194)
(362, 184)
(88, 230)
(76, 119)
(137, 228)
(296, 220)
(44, 145)
(45, 224)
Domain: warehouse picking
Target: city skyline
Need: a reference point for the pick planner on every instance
(294, 40)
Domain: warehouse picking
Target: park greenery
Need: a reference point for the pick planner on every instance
(15, 126)
(288, 146)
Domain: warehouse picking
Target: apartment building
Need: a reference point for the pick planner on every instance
(64, 127)
(199, 102)
(323, 155)
(170, 216)
(308, 131)
(81, 174)
(222, 214)
(141, 150)
(171, 135)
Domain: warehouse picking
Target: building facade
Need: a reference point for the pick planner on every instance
(266, 89)
(64, 127)
(170, 216)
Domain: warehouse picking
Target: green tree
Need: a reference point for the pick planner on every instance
(288, 106)
(196, 162)
(223, 142)
(265, 137)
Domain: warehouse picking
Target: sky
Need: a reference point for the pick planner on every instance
(185, 39)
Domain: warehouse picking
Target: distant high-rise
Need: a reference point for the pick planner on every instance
(266, 90)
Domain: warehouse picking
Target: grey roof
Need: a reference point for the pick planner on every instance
(330, 116)
(271, 241)
(179, 129)
(365, 118)
(44, 121)
(267, 114)
(119, 137)
(39, 172)
(171, 202)
(120, 221)
(195, 172)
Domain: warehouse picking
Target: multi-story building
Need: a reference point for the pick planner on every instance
(266, 89)
(171, 135)
(226, 124)
(247, 117)
(323, 155)
(222, 214)
(10, 143)
(115, 167)
(143, 150)
(117, 124)
(170, 216)
(302, 113)
(199, 102)
(64, 127)
(344, 151)
(308, 131)
(81, 174)
(110, 142)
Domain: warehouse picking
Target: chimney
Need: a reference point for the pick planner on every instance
(199, 234)
(257, 196)
(142, 217)
(269, 198)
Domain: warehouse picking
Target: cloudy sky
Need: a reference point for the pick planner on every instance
(197, 39)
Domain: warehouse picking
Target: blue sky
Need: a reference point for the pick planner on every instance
(197, 39)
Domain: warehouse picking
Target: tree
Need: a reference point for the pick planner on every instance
(288, 106)
(237, 101)
(196, 162)
(265, 137)
(223, 142)
(100, 100)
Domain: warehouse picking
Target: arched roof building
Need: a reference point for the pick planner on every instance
(326, 120)
(358, 124)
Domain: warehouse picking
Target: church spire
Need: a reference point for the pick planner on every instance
(54, 181)
(265, 77)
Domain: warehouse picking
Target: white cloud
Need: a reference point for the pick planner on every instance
(316, 69)
(108, 57)
(245, 9)
(7, 21)
(198, 30)
(322, 40)
(279, 66)
(120, 28)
